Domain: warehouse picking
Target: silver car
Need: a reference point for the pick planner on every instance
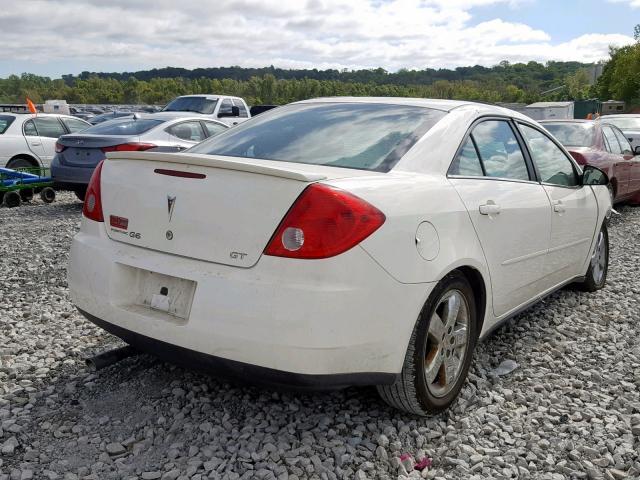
(78, 154)
(630, 126)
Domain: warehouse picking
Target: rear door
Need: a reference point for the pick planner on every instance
(509, 210)
(634, 161)
(574, 209)
(622, 167)
(33, 139)
(49, 129)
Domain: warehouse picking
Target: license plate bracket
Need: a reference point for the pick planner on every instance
(165, 293)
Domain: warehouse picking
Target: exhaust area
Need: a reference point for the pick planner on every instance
(108, 358)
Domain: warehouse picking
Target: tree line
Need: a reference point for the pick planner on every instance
(506, 82)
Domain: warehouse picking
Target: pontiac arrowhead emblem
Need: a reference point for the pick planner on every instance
(171, 202)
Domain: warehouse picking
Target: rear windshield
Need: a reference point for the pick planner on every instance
(127, 126)
(191, 104)
(5, 121)
(365, 136)
(628, 123)
(573, 134)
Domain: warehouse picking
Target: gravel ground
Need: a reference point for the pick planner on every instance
(569, 409)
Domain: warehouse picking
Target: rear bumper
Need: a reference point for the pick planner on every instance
(238, 370)
(332, 322)
(68, 177)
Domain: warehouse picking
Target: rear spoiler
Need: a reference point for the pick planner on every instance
(226, 163)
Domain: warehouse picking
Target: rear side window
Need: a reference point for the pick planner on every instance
(30, 129)
(5, 122)
(189, 131)
(625, 146)
(499, 150)
(127, 126)
(212, 128)
(49, 127)
(553, 165)
(467, 163)
(75, 125)
(366, 136)
(611, 140)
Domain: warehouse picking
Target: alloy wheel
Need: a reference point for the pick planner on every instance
(447, 342)
(599, 258)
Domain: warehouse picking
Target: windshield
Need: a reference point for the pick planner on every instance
(191, 104)
(127, 126)
(573, 134)
(624, 123)
(5, 122)
(364, 136)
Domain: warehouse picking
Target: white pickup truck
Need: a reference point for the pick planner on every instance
(225, 109)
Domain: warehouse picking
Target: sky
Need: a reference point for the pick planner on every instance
(56, 37)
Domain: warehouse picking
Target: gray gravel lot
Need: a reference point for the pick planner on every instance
(570, 409)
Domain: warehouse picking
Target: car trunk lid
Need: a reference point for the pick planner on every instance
(217, 209)
(86, 150)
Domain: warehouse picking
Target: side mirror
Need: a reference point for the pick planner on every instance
(235, 112)
(594, 176)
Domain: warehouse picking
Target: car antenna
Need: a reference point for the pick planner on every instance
(136, 116)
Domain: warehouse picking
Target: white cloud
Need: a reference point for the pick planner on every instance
(392, 34)
(631, 3)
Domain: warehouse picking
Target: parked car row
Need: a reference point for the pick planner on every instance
(602, 144)
(339, 241)
(78, 154)
(28, 140)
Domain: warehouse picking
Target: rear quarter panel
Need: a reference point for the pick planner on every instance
(407, 200)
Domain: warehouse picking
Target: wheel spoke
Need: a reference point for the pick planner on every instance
(460, 337)
(436, 327)
(432, 368)
(450, 367)
(451, 310)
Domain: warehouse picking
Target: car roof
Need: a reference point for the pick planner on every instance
(566, 120)
(433, 103)
(621, 115)
(165, 117)
(209, 96)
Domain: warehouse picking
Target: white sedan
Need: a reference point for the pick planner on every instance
(28, 140)
(340, 241)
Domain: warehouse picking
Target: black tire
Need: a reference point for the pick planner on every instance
(612, 193)
(411, 392)
(26, 195)
(48, 194)
(596, 278)
(80, 193)
(11, 199)
(20, 162)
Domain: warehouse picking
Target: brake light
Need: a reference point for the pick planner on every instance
(129, 147)
(323, 222)
(60, 148)
(92, 207)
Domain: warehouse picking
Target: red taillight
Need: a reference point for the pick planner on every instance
(324, 222)
(129, 147)
(92, 208)
(60, 148)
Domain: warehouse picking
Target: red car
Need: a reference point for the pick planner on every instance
(594, 142)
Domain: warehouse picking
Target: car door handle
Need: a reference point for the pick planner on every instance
(36, 144)
(558, 207)
(489, 208)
